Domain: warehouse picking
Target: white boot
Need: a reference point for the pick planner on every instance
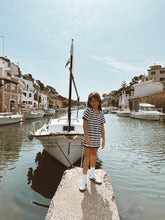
(83, 183)
(94, 177)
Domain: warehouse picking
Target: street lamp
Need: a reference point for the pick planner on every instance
(2, 44)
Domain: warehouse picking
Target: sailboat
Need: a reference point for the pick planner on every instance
(62, 138)
(9, 118)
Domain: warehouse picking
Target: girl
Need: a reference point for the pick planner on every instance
(93, 125)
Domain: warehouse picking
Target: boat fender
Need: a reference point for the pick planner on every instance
(30, 137)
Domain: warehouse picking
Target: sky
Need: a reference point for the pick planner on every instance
(114, 40)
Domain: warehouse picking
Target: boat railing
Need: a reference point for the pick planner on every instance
(36, 125)
(159, 109)
(73, 119)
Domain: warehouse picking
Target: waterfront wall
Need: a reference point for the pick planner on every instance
(157, 99)
(96, 203)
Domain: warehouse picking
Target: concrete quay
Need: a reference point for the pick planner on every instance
(96, 203)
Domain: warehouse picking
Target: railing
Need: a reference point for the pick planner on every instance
(36, 125)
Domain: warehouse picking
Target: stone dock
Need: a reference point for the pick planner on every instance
(96, 203)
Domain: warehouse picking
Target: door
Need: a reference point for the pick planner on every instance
(136, 105)
(12, 106)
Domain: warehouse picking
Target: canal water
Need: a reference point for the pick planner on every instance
(134, 156)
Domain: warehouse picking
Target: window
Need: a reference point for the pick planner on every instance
(161, 71)
(65, 128)
(153, 72)
(24, 93)
(162, 79)
(30, 95)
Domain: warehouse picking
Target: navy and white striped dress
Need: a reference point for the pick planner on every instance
(93, 126)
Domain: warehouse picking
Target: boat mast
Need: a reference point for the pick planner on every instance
(70, 85)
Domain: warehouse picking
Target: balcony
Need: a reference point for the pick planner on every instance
(9, 80)
(11, 90)
(12, 68)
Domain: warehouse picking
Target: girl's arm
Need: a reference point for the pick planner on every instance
(103, 135)
(86, 132)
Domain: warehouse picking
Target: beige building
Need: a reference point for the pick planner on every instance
(155, 73)
(9, 91)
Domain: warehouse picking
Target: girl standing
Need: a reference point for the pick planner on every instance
(93, 125)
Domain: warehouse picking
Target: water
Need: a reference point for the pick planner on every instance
(134, 156)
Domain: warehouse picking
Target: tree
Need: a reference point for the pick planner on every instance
(104, 95)
(123, 84)
(29, 77)
(40, 84)
(51, 89)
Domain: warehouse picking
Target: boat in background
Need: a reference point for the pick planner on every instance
(10, 118)
(32, 114)
(147, 112)
(114, 110)
(105, 110)
(49, 111)
(124, 112)
(62, 138)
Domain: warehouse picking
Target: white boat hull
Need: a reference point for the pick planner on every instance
(147, 112)
(53, 144)
(123, 114)
(49, 112)
(10, 119)
(56, 139)
(32, 115)
(144, 116)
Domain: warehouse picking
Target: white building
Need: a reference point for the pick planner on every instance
(146, 88)
(124, 99)
(139, 90)
(43, 101)
(27, 93)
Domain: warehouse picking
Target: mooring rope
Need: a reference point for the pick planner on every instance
(62, 152)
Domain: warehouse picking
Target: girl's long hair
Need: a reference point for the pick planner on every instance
(96, 96)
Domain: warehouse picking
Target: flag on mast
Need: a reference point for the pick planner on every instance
(67, 63)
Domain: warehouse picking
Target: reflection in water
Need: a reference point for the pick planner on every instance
(10, 144)
(47, 176)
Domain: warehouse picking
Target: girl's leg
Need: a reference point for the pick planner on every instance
(93, 162)
(86, 160)
(93, 153)
(85, 169)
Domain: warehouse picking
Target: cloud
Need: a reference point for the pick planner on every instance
(118, 65)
